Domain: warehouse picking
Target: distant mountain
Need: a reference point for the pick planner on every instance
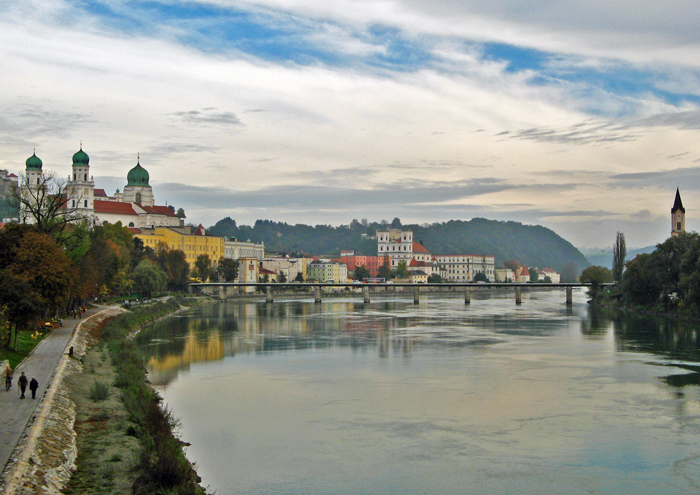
(531, 245)
(605, 257)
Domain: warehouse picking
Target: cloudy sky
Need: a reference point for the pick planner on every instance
(583, 116)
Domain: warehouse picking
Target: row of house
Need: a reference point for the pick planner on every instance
(157, 225)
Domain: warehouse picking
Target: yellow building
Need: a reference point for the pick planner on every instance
(190, 240)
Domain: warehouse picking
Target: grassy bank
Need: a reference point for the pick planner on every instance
(115, 371)
(26, 342)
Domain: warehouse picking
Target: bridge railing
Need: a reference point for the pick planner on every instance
(317, 287)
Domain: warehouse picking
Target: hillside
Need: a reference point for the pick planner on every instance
(605, 257)
(532, 245)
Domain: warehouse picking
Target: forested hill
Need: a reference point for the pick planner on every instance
(531, 245)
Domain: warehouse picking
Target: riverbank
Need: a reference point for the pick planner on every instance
(105, 431)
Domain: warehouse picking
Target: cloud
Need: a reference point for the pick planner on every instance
(209, 116)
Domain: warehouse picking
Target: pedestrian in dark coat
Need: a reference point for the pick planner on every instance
(22, 385)
(33, 385)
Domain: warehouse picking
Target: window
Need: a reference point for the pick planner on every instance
(138, 198)
(74, 176)
(678, 226)
(86, 203)
(85, 176)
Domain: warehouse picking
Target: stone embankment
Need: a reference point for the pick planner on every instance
(45, 458)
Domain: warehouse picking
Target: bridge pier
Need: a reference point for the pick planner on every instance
(268, 294)
(518, 295)
(317, 295)
(416, 295)
(468, 296)
(569, 295)
(222, 292)
(365, 291)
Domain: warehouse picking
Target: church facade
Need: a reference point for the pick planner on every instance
(134, 207)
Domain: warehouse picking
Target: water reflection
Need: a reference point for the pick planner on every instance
(439, 397)
(393, 327)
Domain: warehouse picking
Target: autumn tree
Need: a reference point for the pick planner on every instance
(402, 269)
(42, 264)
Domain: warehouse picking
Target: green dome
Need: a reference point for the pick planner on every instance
(34, 162)
(137, 176)
(81, 158)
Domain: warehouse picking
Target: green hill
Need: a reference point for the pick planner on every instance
(531, 245)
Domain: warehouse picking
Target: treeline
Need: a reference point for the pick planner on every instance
(666, 280)
(531, 245)
(47, 272)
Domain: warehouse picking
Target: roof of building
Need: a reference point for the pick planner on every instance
(419, 248)
(415, 262)
(137, 176)
(265, 271)
(100, 193)
(80, 157)
(677, 204)
(160, 210)
(114, 207)
(34, 162)
(134, 230)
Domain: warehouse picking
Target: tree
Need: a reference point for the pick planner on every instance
(361, 272)
(402, 269)
(19, 304)
(434, 279)
(596, 275)
(299, 277)
(46, 204)
(281, 277)
(480, 277)
(174, 264)
(384, 270)
(202, 267)
(534, 276)
(180, 213)
(228, 269)
(42, 264)
(619, 255)
(149, 278)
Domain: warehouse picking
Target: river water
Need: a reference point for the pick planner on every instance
(436, 398)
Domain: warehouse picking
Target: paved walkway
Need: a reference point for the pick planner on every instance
(15, 413)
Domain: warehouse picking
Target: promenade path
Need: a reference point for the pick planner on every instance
(16, 413)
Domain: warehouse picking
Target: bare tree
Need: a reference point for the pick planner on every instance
(45, 204)
(619, 255)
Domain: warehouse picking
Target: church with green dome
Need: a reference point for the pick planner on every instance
(134, 207)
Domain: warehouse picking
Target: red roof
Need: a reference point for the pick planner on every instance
(100, 193)
(134, 230)
(159, 210)
(265, 271)
(418, 263)
(114, 207)
(419, 248)
(525, 272)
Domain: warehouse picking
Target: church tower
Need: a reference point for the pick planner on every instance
(80, 186)
(677, 215)
(138, 190)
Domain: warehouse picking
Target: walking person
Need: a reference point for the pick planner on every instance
(8, 378)
(22, 385)
(33, 385)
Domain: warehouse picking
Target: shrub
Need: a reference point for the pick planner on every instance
(99, 391)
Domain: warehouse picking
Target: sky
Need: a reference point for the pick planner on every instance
(582, 116)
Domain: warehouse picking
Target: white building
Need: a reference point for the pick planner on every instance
(464, 267)
(234, 249)
(135, 207)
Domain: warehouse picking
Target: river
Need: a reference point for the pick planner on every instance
(437, 398)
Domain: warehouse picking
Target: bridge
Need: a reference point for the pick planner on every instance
(317, 288)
